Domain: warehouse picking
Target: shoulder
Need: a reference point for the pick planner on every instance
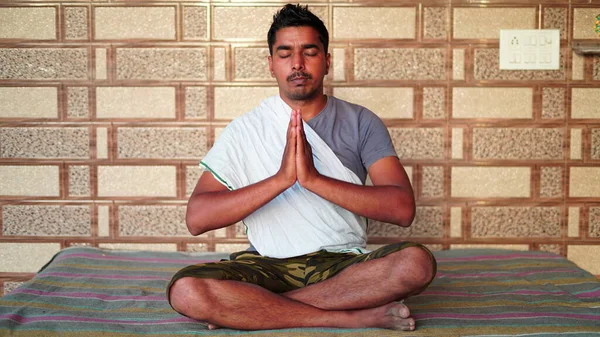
(362, 113)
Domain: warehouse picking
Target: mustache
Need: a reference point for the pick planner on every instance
(299, 74)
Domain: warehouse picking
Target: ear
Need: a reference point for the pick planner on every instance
(270, 59)
(327, 63)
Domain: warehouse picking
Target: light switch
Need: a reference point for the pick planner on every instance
(529, 49)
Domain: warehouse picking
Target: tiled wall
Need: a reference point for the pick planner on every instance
(107, 107)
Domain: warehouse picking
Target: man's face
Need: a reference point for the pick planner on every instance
(299, 63)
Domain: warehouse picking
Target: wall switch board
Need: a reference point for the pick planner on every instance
(531, 49)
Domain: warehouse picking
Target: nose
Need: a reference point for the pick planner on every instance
(297, 61)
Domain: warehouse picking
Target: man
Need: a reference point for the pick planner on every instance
(293, 170)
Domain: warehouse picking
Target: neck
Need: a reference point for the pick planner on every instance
(309, 107)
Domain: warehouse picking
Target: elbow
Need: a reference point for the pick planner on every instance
(193, 222)
(405, 212)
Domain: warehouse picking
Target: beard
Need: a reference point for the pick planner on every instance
(301, 92)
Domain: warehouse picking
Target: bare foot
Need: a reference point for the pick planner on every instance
(397, 316)
(213, 327)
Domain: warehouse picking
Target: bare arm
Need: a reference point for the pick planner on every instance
(213, 206)
(391, 199)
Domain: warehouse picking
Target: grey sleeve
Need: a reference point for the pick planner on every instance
(375, 141)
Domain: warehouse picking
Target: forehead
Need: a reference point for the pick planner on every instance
(297, 36)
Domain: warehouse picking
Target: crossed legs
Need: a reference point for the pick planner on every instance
(360, 296)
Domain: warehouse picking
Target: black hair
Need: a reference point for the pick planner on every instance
(296, 16)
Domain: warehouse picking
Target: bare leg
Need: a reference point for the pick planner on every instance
(245, 306)
(371, 283)
(336, 302)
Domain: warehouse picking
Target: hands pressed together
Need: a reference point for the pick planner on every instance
(297, 162)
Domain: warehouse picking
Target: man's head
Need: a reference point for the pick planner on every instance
(298, 54)
(296, 16)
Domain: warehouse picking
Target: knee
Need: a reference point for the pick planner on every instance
(187, 295)
(420, 266)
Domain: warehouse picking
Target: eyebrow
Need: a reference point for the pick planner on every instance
(304, 46)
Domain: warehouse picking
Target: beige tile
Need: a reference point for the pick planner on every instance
(196, 247)
(490, 246)
(409, 173)
(46, 220)
(398, 102)
(243, 22)
(586, 257)
(595, 144)
(433, 182)
(28, 102)
(573, 226)
(518, 143)
(41, 181)
(434, 103)
(457, 143)
(228, 108)
(492, 102)
(515, 222)
(428, 223)
(553, 103)
(101, 65)
(231, 247)
(77, 102)
(154, 247)
(192, 174)
(162, 64)
(103, 220)
(455, 222)
(339, 64)
(161, 142)
(418, 143)
(252, 64)
(153, 221)
(195, 20)
(584, 182)
(585, 102)
(76, 23)
(29, 23)
(102, 143)
(458, 64)
(594, 222)
(137, 181)
(44, 142)
(10, 286)
(556, 18)
(583, 23)
(399, 64)
(578, 67)
(240, 230)
(135, 102)
(359, 23)
(576, 144)
(79, 180)
(44, 63)
(485, 23)
(490, 182)
(218, 132)
(487, 68)
(113, 23)
(26, 257)
(195, 102)
(435, 24)
(219, 64)
(551, 182)
(556, 249)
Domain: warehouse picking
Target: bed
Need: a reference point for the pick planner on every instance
(87, 291)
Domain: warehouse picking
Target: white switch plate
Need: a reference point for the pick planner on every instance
(529, 49)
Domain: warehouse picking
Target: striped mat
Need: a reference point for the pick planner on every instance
(94, 292)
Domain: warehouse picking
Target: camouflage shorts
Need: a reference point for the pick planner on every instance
(282, 275)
